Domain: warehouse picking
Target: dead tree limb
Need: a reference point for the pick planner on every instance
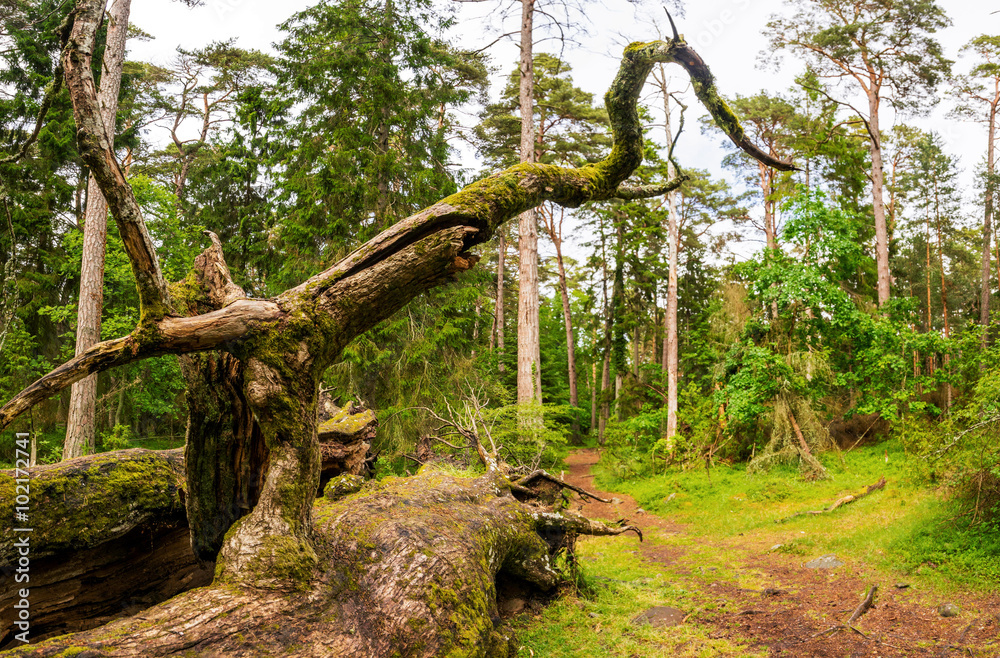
(840, 502)
(541, 474)
(864, 606)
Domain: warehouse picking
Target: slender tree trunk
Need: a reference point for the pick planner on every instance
(881, 232)
(927, 270)
(498, 312)
(605, 387)
(944, 293)
(80, 424)
(529, 376)
(568, 321)
(382, 176)
(766, 176)
(475, 324)
(670, 356)
(593, 387)
(606, 369)
(984, 295)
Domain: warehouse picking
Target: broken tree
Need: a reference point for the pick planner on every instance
(407, 565)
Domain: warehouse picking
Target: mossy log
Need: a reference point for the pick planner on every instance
(108, 536)
(345, 439)
(407, 567)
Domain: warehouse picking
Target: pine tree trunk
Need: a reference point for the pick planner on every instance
(498, 311)
(881, 232)
(80, 425)
(529, 376)
(671, 315)
(944, 294)
(984, 296)
(593, 387)
(574, 398)
(766, 176)
(475, 325)
(670, 355)
(555, 234)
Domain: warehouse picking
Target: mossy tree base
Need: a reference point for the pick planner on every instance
(406, 567)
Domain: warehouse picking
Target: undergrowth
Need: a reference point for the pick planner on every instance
(912, 527)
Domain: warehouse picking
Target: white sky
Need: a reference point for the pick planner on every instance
(728, 34)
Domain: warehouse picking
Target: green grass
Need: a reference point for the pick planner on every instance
(597, 621)
(907, 529)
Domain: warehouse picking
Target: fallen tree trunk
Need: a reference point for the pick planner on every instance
(408, 566)
(108, 536)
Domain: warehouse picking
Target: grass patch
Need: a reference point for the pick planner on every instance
(908, 529)
(617, 585)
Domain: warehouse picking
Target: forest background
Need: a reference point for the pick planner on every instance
(296, 153)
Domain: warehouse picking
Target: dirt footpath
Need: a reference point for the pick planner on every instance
(800, 611)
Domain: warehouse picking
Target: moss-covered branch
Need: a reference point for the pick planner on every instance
(631, 193)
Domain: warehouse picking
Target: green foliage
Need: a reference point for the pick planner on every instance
(364, 90)
(119, 438)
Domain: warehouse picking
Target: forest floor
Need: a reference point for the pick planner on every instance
(748, 593)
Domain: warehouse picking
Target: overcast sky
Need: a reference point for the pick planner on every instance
(728, 34)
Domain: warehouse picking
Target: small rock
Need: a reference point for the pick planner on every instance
(616, 501)
(593, 614)
(902, 585)
(829, 561)
(775, 547)
(343, 485)
(659, 616)
(512, 606)
(948, 610)
(771, 591)
(640, 511)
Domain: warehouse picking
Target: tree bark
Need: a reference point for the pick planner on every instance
(498, 311)
(81, 427)
(984, 295)
(529, 375)
(555, 234)
(881, 232)
(410, 567)
(670, 318)
(944, 294)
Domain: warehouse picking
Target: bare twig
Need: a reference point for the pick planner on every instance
(846, 500)
(865, 605)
